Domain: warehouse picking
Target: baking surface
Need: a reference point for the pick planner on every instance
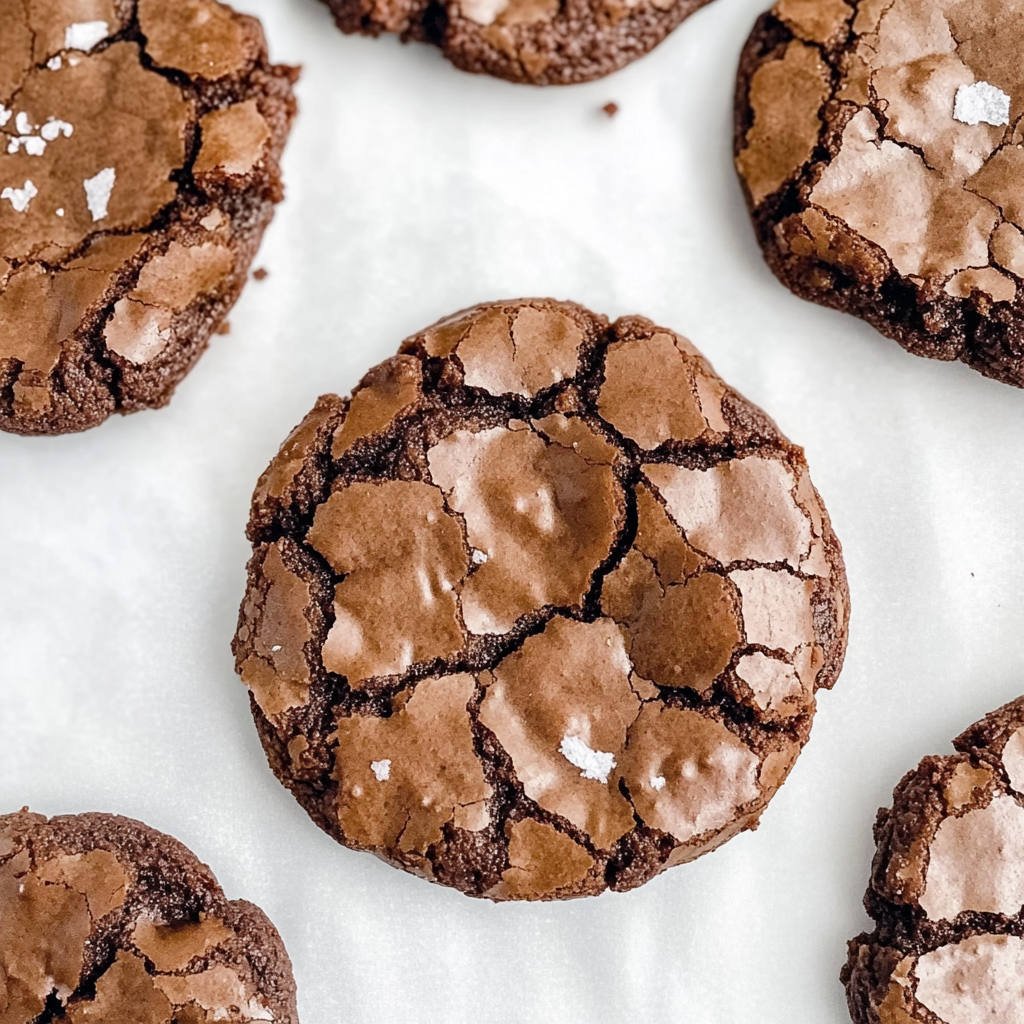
(415, 190)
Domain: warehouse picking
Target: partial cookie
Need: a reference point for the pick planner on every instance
(103, 921)
(139, 149)
(947, 888)
(881, 149)
(542, 608)
(542, 42)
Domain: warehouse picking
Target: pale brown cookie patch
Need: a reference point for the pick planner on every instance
(947, 890)
(104, 920)
(519, 599)
(880, 148)
(120, 259)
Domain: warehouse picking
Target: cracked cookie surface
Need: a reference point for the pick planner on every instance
(541, 42)
(881, 148)
(542, 608)
(947, 888)
(139, 149)
(103, 919)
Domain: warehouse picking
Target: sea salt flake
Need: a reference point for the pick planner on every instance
(97, 192)
(981, 102)
(20, 197)
(381, 769)
(594, 764)
(479, 557)
(60, 211)
(84, 35)
(32, 145)
(22, 124)
(5, 115)
(658, 782)
(55, 127)
(54, 63)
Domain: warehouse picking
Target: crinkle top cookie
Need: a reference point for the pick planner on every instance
(139, 147)
(106, 921)
(947, 888)
(542, 608)
(882, 151)
(543, 42)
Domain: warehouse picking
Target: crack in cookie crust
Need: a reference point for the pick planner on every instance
(542, 592)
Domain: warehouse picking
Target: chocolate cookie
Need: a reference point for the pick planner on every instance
(881, 149)
(543, 42)
(139, 148)
(542, 608)
(107, 921)
(947, 888)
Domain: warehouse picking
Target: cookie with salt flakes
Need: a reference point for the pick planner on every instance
(881, 150)
(139, 166)
(542, 608)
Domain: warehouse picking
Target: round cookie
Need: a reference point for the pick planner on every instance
(105, 920)
(540, 42)
(139, 149)
(880, 149)
(541, 609)
(947, 888)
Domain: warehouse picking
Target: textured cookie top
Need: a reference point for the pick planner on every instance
(884, 139)
(541, 608)
(947, 888)
(105, 920)
(544, 42)
(138, 142)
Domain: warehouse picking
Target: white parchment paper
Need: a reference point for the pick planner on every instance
(415, 190)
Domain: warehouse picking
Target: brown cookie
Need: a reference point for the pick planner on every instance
(947, 888)
(542, 608)
(106, 921)
(881, 149)
(139, 149)
(542, 42)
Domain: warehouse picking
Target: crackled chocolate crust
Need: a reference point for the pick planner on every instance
(104, 919)
(947, 888)
(880, 150)
(541, 42)
(139, 166)
(542, 608)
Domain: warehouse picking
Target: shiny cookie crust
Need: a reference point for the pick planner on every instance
(103, 918)
(880, 150)
(947, 890)
(139, 165)
(542, 608)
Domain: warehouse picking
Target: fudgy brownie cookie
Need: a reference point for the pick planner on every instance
(542, 608)
(139, 148)
(105, 920)
(881, 148)
(542, 42)
(947, 888)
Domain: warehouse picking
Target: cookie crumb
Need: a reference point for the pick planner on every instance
(611, 109)
(225, 328)
(260, 273)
